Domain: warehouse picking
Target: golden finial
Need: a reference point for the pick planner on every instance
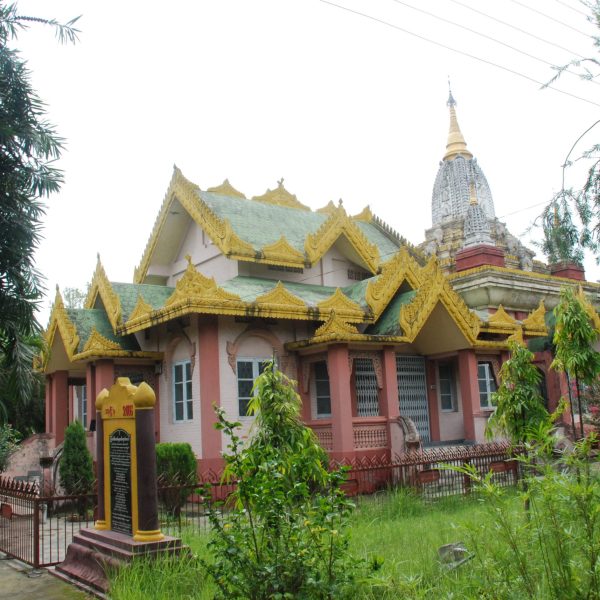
(456, 142)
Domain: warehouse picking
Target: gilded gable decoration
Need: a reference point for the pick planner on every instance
(517, 336)
(591, 311)
(338, 223)
(536, 321)
(281, 197)
(328, 209)
(98, 344)
(282, 252)
(194, 287)
(381, 290)
(141, 310)
(502, 319)
(343, 306)
(364, 215)
(59, 319)
(280, 297)
(336, 328)
(101, 286)
(226, 189)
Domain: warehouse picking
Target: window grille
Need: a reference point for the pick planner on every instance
(487, 384)
(412, 392)
(365, 380)
(182, 392)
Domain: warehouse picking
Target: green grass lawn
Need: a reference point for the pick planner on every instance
(397, 532)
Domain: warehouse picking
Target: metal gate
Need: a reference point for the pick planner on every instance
(412, 392)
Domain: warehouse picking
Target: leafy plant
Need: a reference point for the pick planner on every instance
(8, 444)
(284, 535)
(574, 338)
(519, 404)
(176, 467)
(76, 466)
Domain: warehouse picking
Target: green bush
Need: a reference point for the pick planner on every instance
(8, 444)
(76, 465)
(284, 536)
(176, 466)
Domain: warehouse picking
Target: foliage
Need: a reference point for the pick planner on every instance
(76, 466)
(8, 444)
(28, 147)
(284, 536)
(175, 466)
(553, 552)
(74, 297)
(574, 337)
(561, 237)
(519, 404)
(583, 201)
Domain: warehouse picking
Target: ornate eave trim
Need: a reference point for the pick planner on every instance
(364, 215)
(591, 311)
(397, 269)
(336, 325)
(345, 308)
(140, 310)
(226, 189)
(99, 343)
(282, 252)
(279, 296)
(328, 209)
(101, 286)
(59, 320)
(339, 223)
(113, 353)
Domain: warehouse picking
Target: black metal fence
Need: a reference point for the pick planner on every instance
(38, 529)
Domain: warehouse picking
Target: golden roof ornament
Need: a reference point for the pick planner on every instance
(456, 144)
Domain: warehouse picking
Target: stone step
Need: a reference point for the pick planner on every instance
(126, 542)
(84, 587)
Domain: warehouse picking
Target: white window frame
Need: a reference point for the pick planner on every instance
(188, 402)
(82, 404)
(452, 380)
(487, 379)
(256, 362)
(321, 415)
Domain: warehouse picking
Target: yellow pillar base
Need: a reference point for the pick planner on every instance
(148, 536)
(101, 525)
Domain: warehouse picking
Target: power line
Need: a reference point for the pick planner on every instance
(487, 37)
(543, 14)
(461, 52)
(523, 31)
(586, 15)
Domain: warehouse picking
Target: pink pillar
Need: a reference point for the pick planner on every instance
(341, 404)
(60, 405)
(432, 401)
(49, 404)
(90, 390)
(105, 377)
(469, 390)
(390, 406)
(210, 387)
(304, 394)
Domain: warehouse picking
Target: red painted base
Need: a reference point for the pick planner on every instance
(478, 256)
(568, 270)
(93, 554)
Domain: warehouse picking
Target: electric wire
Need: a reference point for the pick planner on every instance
(543, 14)
(461, 52)
(487, 37)
(523, 31)
(586, 15)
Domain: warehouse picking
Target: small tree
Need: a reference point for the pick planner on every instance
(176, 467)
(520, 406)
(574, 337)
(283, 538)
(76, 466)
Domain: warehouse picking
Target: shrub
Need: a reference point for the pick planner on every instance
(76, 465)
(284, 535)
(176, 466)
(8, 444)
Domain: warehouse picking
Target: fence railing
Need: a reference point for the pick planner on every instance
(38, 529)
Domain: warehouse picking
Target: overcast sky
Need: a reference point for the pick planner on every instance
(339, 104)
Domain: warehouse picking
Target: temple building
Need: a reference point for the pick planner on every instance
(384, 338)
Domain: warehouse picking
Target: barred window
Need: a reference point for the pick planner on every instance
(365, 380)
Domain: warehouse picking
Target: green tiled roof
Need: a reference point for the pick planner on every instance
(262, 224)
(357, 291)
(86, 319)
(154, 295)
(388, 323)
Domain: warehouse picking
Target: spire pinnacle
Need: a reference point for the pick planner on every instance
(456, 142)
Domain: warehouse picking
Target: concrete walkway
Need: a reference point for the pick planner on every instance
(17, 585)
